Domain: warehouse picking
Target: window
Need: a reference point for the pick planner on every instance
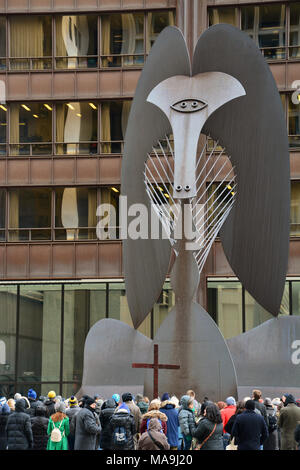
(156, 22)
(76, 41)
(2, 43)
(293, 123)
(30, 42)
(75, 213)
(294, 50)
(122, 40)
(76, 128)
(229, 15)
(8, 317)
(30, 129)
(295, 208)
(30, 214)
(108, 228)
(2, 214)
(3, 127)
(114, 118)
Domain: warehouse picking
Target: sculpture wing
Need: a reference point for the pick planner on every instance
(146, 261)
(252, 128)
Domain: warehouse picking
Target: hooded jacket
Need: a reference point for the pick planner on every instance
(122, 418)
(146, 443)
(168, 408)
(50, 406)
(287, 422)
(107, 410)
(18, 428)
(154, 414)
(4, 414)
(186, 417)
(86, 429)
(39, 425)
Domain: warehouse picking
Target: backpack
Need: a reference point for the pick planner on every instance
(272, 423)
(120, 437)
(56, 435)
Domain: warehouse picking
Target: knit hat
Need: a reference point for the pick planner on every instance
(89, 401)
(123, 407)
(31, 394)
(250, 405)
(60, 406)
(73, 401)
(51, 394)
(126, 397)
(165, 397)
(2, 401)
(289, 399)
(17, 396)
(116, 397)
(230, 401)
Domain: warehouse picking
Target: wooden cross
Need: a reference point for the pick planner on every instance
(155, 366)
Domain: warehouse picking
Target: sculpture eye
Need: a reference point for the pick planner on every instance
(189, 105)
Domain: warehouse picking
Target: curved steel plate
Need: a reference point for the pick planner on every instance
(146, 261)
(252, 128)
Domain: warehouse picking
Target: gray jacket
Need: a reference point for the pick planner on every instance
(186, 417)
(86, 430)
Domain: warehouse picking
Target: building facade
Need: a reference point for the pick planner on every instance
(68, 72)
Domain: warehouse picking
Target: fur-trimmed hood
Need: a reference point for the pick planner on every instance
(167, 402)
(155, 414)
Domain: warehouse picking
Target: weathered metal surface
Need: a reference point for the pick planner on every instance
(255, 235)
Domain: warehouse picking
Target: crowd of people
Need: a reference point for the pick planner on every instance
(136, 423)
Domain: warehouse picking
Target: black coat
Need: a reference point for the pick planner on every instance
(203, 430)
(250, 430)
(126, 420)
(39, 425)
(261, 407)
(107, 410)
(18, 428)
(33, 404)
(84, 423)
(4, 414)
(49, 404)
(271, 443)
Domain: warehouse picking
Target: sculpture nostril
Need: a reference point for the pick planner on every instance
(187, 188)
(178, 188)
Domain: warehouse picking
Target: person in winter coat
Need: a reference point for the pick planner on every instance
(256, 396)
(288, 419)
(85, 426)
(249, 429)
(240, 408)
(209, 432)
(197, 406)
(122, 429)
(107, 410)
(187, 420)
(32, 397)
(127, 398)
(153, 438)
(11, 403)
(71, 412)
(18, 428)
(169, 409)
(39, 426)
(153, 412)
(50, 403)
(226, 414)
(297, 435)
(4, 414)
(59, 420)
(142, 403)
(272, 442)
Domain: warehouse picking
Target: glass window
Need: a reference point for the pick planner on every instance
(29, 214)
(8, 315)
(108, 227)
(2, 214)
(30, 128)
(156, 22)
(75, 213)
(228, 15)
(84, 304)
(118, 308)
(114, 118)
(295, 208)
(265, 24)
(296, 298)
(30, 42)
(225, 306)
(2, 43)
(76, 41)
(294, 123)
(76, 128)
(122, 40)
(3, 127)
(294, 50)
(39, 333)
